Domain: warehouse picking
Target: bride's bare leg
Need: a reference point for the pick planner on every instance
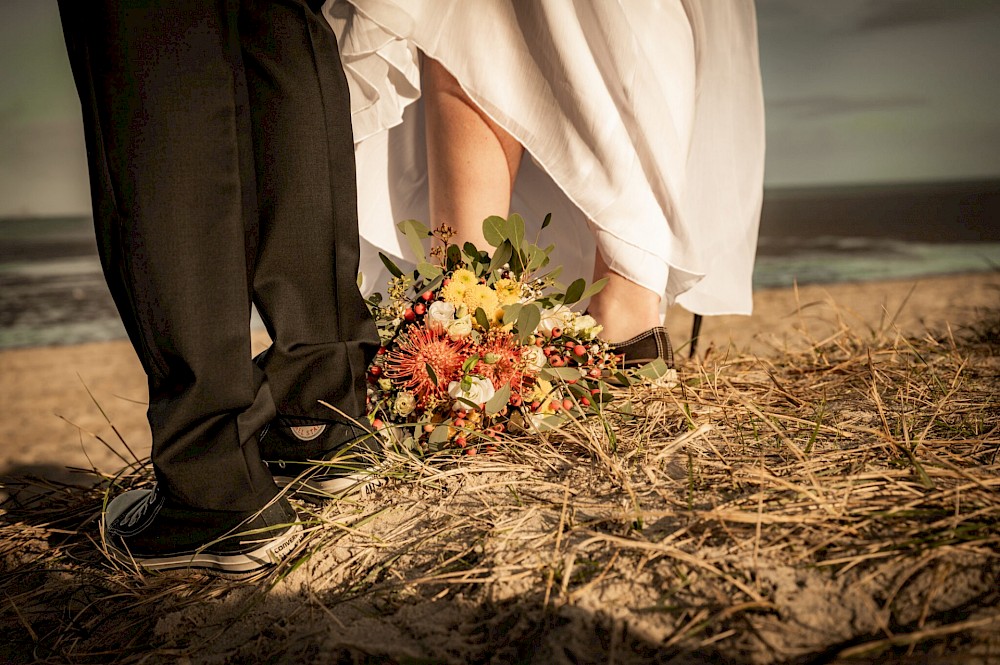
(471, 161)
(624, 308)
(471, 166)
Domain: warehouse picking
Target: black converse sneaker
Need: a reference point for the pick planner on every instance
(322, 460)
(142, 527)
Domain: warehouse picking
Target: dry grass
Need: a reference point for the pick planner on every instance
(832, 504)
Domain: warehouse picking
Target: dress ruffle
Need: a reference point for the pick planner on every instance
(644, 121)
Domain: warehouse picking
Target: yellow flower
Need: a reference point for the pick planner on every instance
(464, 277)
(453, 292)
(542, 392)
(480, 295)
(508, 291)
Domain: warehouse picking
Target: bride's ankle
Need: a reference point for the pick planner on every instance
(622, 324)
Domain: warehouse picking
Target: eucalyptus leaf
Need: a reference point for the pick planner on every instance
(538, 257)
(493, 230)
(470, 362)
(548, 423)
(510, 312)
(454, 257)
(481, 318)
(429, 271)
(438, 435)
(390, 266)
(654, 370)
(574, 291)
(431, 373)
(516, 263)
(594, 288)
(527, 320)
(468, 402)
(499, 400)
(516, 227)
(560, 373)
(473, 252)
(416, 226)
(415, 234)
(501, 256)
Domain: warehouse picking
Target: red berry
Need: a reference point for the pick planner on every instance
(470, 451)
(556, 332)
(556, 361)
(567, 404)
(375, 370)
(595, 391)
(580, 350)
(409, 315)
(555, 404)
(584, 401)
(515, 400)
(594, 373)
(459, 422)
(419, 309)
(460, 441)
(539, 341)
(381, 351)
(428, 296)
(377, 424)
(536, 405)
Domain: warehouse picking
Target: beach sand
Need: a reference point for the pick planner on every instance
(60, 402)
(830, 496)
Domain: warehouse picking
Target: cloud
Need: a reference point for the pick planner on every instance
(825, 106)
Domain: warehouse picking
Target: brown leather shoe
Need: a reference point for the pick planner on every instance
(645, 348)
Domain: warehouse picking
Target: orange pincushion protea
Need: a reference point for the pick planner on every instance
(508, 367)
(418, 349)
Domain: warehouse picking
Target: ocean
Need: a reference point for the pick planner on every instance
(52, 290)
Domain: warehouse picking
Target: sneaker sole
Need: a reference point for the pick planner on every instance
(330, 488)
(267, 554)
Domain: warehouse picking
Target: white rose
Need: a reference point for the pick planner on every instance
(480, 391)
(439, 315)
(405, 403)
(557, 317)
(582, 323)
(460, 328)
(535, 357)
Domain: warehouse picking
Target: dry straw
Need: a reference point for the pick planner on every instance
(834, 503)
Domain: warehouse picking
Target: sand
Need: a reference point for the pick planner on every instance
(830, 495)
(59, 402)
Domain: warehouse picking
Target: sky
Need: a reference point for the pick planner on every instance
(856, 92)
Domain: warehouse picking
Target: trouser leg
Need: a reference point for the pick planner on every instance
(305, 283)
(172, 176)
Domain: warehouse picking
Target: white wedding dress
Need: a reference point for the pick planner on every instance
(643, 120)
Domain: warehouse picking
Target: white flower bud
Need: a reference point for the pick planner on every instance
(439, 315)
(405, 403)
(460, 328)
(480, 391)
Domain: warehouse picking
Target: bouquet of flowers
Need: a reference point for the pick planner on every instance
(475, 344)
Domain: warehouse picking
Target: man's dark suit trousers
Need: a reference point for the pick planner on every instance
(222, 173)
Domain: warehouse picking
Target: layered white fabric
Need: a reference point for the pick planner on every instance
(643, 120)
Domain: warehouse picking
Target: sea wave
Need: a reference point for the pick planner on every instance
(53, 292)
